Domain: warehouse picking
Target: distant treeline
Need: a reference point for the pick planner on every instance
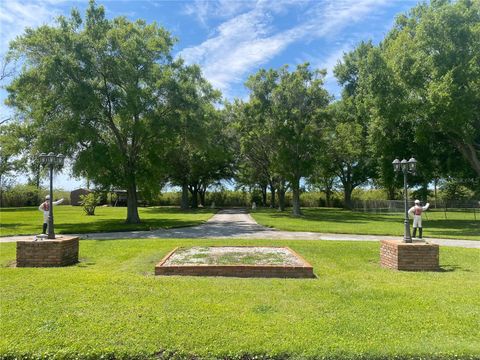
(29, 195)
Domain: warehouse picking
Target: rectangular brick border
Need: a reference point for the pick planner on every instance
(416, 256)
(245, 271)
(62, 251)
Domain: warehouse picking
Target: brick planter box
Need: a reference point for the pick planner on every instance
(416, 256)
(305, 270)
(61, 251)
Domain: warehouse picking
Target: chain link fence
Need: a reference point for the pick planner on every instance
(386, 206)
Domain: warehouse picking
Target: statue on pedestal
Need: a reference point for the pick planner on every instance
(416, 211)
(45, 207)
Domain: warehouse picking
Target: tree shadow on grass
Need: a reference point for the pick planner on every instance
(18, 229)
(117, 225)
(176, 210)
(437, 227)
(17, 209)
(10, 225)
(452, 268)
(472, 234)
(343, 216)
(85, 262)
(455, 227)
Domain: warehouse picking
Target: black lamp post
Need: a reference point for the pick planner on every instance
(406, 167)
(52, 161)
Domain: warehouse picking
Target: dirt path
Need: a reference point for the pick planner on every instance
(237, 223)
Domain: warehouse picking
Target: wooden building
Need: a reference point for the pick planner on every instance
(75, 196)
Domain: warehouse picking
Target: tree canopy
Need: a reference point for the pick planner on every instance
(103, 92)
(109, 94)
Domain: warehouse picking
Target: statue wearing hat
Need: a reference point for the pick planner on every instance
(416, 211)
(45, 207)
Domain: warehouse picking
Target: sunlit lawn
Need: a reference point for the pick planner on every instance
(72, 219)
(112, 304)
(456, 225)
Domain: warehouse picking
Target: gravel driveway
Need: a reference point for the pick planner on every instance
(237, 223)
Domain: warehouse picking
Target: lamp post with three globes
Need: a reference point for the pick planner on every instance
(406, 167)
(52, 161)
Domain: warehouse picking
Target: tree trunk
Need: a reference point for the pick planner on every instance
(328, 185)
(202, 193)
(264, 195)
(184, 203)
(281, 199)
(390, 192)
(132, 204)
(296, 198)
(272, 196)
(347, 192)
(328, 197)
(194, 192)
(1, 192)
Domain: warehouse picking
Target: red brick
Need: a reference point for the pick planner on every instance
(415, 256)
(47, 253)
(248, 271)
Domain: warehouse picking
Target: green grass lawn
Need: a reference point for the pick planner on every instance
(112, 304)
(72, 219)
(458, 225)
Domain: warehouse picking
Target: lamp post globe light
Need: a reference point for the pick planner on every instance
(52, 161)
(406, 167)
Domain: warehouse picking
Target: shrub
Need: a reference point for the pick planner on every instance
(29, 195)
(168, 199)
(89, 203)
(453, 190)
(22, 195)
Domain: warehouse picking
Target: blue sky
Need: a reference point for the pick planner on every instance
(232, 39)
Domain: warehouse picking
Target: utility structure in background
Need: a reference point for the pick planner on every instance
(53, 161)
(406, 167)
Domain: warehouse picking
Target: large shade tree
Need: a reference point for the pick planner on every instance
(433, 54)
(346, 146)
(299, 103)
(101, 91)
(349, 123)
(258, 144)
(209, 160)
(190, 129)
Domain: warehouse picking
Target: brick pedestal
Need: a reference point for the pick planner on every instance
(61, 251)
(416, 256)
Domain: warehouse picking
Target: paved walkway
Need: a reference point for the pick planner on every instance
(237, 223)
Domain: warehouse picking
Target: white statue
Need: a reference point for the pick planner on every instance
(45, 207)
(254, 206)
(416, 211)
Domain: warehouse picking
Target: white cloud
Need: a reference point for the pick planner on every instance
(16, 15)
(249, 40)
(204, 10)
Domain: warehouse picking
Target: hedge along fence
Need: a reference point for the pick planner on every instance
(229, 198)
(29, 195)
(382, 206)
(220, 198)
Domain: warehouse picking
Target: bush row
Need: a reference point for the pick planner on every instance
(229, 198)
(29, 195)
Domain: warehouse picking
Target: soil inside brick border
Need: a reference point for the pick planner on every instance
(235, 261)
